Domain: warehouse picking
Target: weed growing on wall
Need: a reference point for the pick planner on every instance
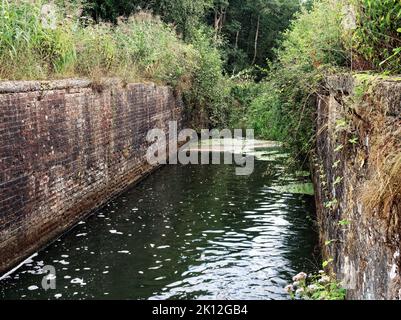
(319, 286)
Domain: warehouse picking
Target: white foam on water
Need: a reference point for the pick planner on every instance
(81, 234)
(31, 288)
(115, 232)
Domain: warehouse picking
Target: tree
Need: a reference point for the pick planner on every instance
(184, 14)
(250, 27)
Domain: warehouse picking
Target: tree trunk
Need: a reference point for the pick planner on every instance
(216, 21)
(256, 40)
(219, 19)
(236, 40)
(223, 18)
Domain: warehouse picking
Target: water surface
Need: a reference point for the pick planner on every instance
(186, 232)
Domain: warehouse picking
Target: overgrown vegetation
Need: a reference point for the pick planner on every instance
(250, 28)
(38, 42)
(41, 41)
(311, 48)
(327, 36)
(377, 36)
(321, 286)
(202, 43)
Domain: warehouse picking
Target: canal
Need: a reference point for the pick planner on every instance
(185, 232)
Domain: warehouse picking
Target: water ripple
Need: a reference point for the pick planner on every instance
(194, 232)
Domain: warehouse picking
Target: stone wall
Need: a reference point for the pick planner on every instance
(357, 176)
(66, 148)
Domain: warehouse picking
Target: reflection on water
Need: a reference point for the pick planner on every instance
(194, 232)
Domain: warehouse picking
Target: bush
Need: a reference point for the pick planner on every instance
(377, 37)
(139, 48)
(310, 48)
(243, 90)
(42, 41)
(208, 100)
(31, 44)
(321, 286)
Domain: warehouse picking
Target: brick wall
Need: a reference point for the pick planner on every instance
(66, 148)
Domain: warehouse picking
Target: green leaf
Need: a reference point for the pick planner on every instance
(340, 123)
(335, 165)
(338, 148)
(327, 262)
(338, 180)
(344, 222)
(330, 204)
(353, 140)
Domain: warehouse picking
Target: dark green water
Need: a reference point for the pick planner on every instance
(194, 232)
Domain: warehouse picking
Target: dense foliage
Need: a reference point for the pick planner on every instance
(208, 49)
(42, 41)
(377, 36)
(362, 34)
(250, 27)
(309, 49)
(38, 44)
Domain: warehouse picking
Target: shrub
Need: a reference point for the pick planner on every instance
(377, 37)
(321, 286)
(243, 89)
(139, 48)
(310, 48)
(42, 41)
(30, 45)
(210, 91)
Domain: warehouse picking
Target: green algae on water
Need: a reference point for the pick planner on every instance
(297, 188)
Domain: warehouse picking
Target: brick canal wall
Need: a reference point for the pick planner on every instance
(357, 167)
(66, 148)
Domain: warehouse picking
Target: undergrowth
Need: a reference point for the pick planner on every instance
(377, 36)
(320, 286)
(39, 40)
(310, 49)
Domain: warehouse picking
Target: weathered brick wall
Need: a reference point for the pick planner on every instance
(357, 168)
(67, 147)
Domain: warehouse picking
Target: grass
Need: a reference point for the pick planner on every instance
(40, 42)
(382, 191)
